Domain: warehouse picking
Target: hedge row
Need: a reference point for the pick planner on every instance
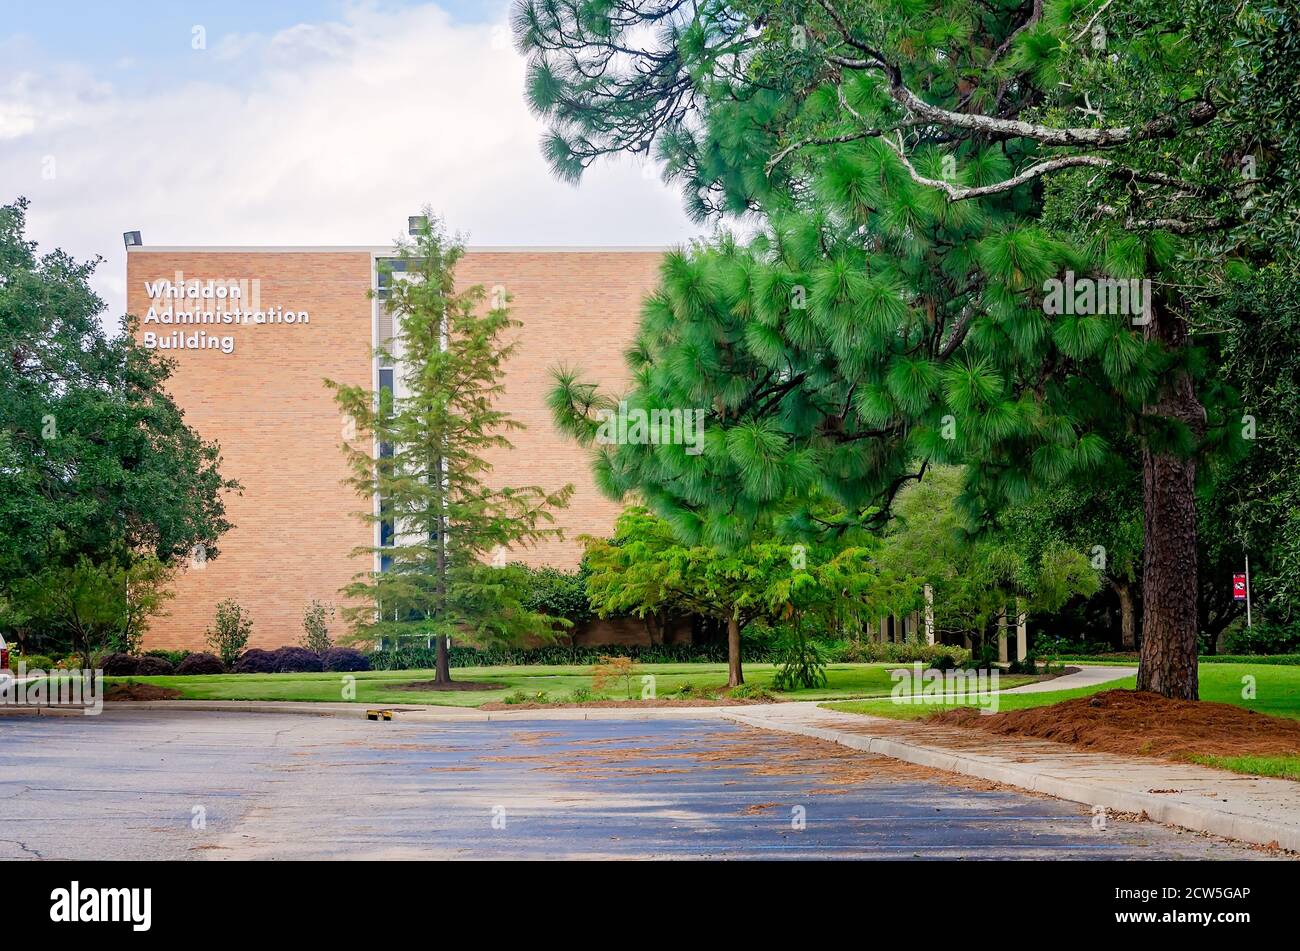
(283, 660)
(1250, 659)
(424, 658)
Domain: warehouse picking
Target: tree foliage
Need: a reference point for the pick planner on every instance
(922, 172)
(432, 475)
(103, 486)
(645, 569)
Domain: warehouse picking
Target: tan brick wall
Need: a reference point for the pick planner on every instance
(279, 430)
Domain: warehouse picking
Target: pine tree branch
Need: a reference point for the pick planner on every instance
(1174, 225)
(1091, 20)
(1035, 15)
(1045, 167)
(1164, 126)
(776, 159)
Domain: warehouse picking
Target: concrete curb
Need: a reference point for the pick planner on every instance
(1159, 809)
(34, 711)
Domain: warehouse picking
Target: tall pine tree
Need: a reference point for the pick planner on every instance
(923, 170)
(421, 453)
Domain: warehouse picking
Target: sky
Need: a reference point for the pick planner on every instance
(289, 122)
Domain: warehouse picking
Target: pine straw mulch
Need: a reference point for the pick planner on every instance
(134, 691)
(1137, 722)
(837, 769)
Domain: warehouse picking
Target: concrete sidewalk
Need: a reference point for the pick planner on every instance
(1083, 677)
(1251, 809)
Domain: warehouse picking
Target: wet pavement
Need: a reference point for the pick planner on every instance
(191, 785)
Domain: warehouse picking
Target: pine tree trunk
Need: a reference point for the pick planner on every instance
(735, 676)
(1169, 614)
(1127, 615)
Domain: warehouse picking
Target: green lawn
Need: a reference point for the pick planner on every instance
(1283, 767)
(844, 681)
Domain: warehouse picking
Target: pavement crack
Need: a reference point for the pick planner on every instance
(24, 847)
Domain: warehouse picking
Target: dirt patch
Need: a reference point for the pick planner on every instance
(134, 691)
(620, 704)
(1129, 721)
(431, 685)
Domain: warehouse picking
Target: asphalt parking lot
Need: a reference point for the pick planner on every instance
(212, 786)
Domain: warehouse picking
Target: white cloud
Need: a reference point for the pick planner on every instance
(325, 133)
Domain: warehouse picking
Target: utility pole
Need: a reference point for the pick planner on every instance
(1248, 591)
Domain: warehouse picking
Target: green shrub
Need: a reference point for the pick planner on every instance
(750, 692)
(316, 622)
(1264, 638)
(517, 697)
(558, 594)
(172, 657)
(1056, 644)
(987, 658)
(580, 695)
(229, 635)
(34, 661)
(803, 664)
(1027, 666)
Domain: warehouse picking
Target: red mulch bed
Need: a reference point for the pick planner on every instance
(1130, 721)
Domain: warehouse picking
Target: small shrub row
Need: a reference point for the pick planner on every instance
(254, 661)
(866, 652)
(300, 660)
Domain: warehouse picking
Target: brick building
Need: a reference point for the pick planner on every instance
(255, 331)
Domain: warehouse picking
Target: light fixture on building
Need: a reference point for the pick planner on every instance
(416, 223)
(132, 239)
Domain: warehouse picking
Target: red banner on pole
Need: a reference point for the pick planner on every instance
(1239, 587)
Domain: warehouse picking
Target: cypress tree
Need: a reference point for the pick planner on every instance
(437, 503)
